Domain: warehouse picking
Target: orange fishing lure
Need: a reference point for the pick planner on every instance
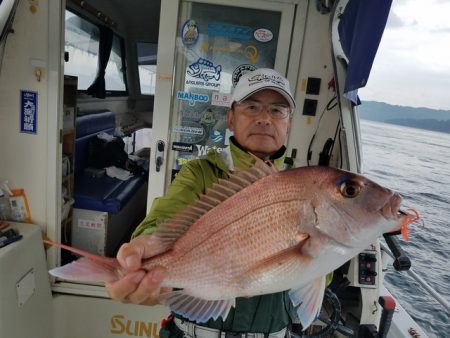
(412, 216)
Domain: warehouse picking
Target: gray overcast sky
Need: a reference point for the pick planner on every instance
(412, 65)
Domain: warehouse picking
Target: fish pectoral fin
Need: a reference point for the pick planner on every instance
(308, 300)
(196, 309)
(301, 237)
(275, 266)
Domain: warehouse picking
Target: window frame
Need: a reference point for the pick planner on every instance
(109, 92)
(138, 65)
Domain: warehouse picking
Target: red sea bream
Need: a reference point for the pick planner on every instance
(261, 232)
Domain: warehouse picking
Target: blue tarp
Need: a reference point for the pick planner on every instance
(360, 29)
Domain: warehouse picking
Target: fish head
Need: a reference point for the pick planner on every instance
(352, 210)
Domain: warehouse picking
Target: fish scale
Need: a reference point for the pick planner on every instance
(243, 203)
(257, 236)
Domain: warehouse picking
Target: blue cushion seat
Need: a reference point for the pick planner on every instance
(99, 193)
(105, 193)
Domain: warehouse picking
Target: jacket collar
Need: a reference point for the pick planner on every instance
(234, 156)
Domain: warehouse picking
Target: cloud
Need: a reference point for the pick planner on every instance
(445, 30)
(394, 21)
(412, 65)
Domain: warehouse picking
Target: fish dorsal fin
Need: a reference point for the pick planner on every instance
(173, 228)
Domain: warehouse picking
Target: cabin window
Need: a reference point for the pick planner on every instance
(82, 44)
(146, 52)
(114, 76)
(138, 143)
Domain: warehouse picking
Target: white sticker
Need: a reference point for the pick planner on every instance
(263, 35)
(189, 130)
(219, 99)
(91, 224)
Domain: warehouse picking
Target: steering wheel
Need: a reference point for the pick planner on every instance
(332, 323)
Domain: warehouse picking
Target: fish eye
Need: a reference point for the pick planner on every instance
(350, 189)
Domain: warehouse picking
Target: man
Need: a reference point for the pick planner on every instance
(260, 118)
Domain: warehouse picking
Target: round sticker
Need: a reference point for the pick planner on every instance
(189, 33)
(263, 35)
(241, 70)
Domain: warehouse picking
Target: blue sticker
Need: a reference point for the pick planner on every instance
(189, 33)
(192, 97)
(205, 70)
(229, 31)
(28, 112)
(203, 74)
(217, 135)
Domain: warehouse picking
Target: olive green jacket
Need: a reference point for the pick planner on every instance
(267, 313)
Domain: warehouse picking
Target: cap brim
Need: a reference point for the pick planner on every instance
(285, 94)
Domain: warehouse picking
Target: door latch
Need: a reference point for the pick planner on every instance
(159, 154)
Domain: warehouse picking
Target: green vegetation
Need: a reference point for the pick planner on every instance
(424, 118)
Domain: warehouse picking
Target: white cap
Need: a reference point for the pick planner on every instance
(259, 79)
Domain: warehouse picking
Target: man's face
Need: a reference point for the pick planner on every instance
(262, 135)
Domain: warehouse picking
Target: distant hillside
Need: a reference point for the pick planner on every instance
(424, 118)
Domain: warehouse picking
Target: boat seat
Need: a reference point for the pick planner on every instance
(100, 193)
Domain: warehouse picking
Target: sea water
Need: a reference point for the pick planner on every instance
(416, 163)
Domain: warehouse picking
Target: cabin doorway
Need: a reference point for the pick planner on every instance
(110, 53)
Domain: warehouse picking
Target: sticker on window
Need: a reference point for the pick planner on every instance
(203, 74)
(263, 35)
(189, 33)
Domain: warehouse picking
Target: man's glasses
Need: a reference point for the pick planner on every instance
(254, 108)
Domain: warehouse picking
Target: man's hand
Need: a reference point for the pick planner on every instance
(138, 286)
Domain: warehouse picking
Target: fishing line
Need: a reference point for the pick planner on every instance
(338, 127)
(2, 53)
(7, 30)
(330, 105)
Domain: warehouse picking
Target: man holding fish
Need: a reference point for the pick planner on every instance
(237, 247)
(260, 118)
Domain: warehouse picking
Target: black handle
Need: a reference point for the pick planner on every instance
(402, 261)
(159, 155)
(388, 307)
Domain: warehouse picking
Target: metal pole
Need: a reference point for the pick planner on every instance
(422, 282)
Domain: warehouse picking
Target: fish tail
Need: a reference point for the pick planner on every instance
(89, 269)
(89, 255)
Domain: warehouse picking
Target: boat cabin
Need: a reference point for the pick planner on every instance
(103, 101)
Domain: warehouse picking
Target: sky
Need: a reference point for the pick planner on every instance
(412, 65)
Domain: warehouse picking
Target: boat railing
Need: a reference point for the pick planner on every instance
(438, 297)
